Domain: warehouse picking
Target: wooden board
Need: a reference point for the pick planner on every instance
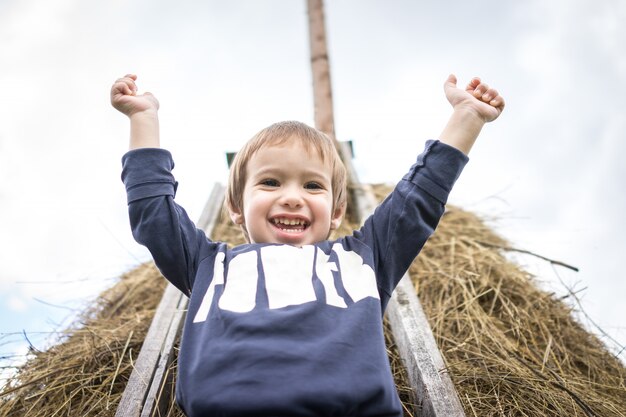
(433, 388)
(158, 398)
(147, 392)
(140, 379)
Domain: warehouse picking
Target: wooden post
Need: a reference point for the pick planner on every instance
(323, 103)
(322, 92)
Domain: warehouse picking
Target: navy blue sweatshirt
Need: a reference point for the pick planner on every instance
(277, 330)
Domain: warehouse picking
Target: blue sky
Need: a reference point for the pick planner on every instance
(551, 168)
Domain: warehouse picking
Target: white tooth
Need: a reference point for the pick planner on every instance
(289, 222)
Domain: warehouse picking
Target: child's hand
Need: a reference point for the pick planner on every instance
(125, 99)
(477, 97)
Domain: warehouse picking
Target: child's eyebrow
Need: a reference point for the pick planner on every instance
(280, 170)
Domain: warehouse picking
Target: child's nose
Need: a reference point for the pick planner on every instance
(292, 197)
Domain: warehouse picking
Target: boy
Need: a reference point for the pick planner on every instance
(290, 324)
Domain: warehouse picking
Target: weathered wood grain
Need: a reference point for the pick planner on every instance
(140, 379)
(433, 388)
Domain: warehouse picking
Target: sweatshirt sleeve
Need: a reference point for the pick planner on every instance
(157, 222)
(403, 222)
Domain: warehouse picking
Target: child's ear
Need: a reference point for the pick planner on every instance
(337, 217)
(236, 216)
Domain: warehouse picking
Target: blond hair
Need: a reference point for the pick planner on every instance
(278, 134)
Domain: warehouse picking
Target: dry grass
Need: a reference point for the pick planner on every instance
(511, 349)
(86, 372)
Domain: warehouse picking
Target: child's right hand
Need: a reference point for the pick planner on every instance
(125, 99)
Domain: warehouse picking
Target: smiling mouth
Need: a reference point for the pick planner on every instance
(290, 225)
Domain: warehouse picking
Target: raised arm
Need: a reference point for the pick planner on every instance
(142, 110)
(473, 107)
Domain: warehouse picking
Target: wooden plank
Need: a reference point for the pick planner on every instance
(136, 390)
(212, 209)
(158, 398)
(433, 388)
(147, 391)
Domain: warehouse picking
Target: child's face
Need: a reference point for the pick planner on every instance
(288, 197)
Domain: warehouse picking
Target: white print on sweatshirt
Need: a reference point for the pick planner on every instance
(288, 278)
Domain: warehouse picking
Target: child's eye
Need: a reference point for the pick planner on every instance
(270, 183)
(313, 186)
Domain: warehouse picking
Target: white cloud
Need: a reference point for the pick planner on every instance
(32, 24)
(17, 304)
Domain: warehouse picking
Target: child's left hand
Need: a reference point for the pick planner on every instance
(477, 97)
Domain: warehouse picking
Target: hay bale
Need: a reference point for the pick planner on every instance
(85, 373)
(510, 348)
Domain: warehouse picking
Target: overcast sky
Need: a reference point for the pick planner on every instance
(551, 168)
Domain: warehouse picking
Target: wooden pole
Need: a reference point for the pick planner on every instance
(360, 202)
(322, 92)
